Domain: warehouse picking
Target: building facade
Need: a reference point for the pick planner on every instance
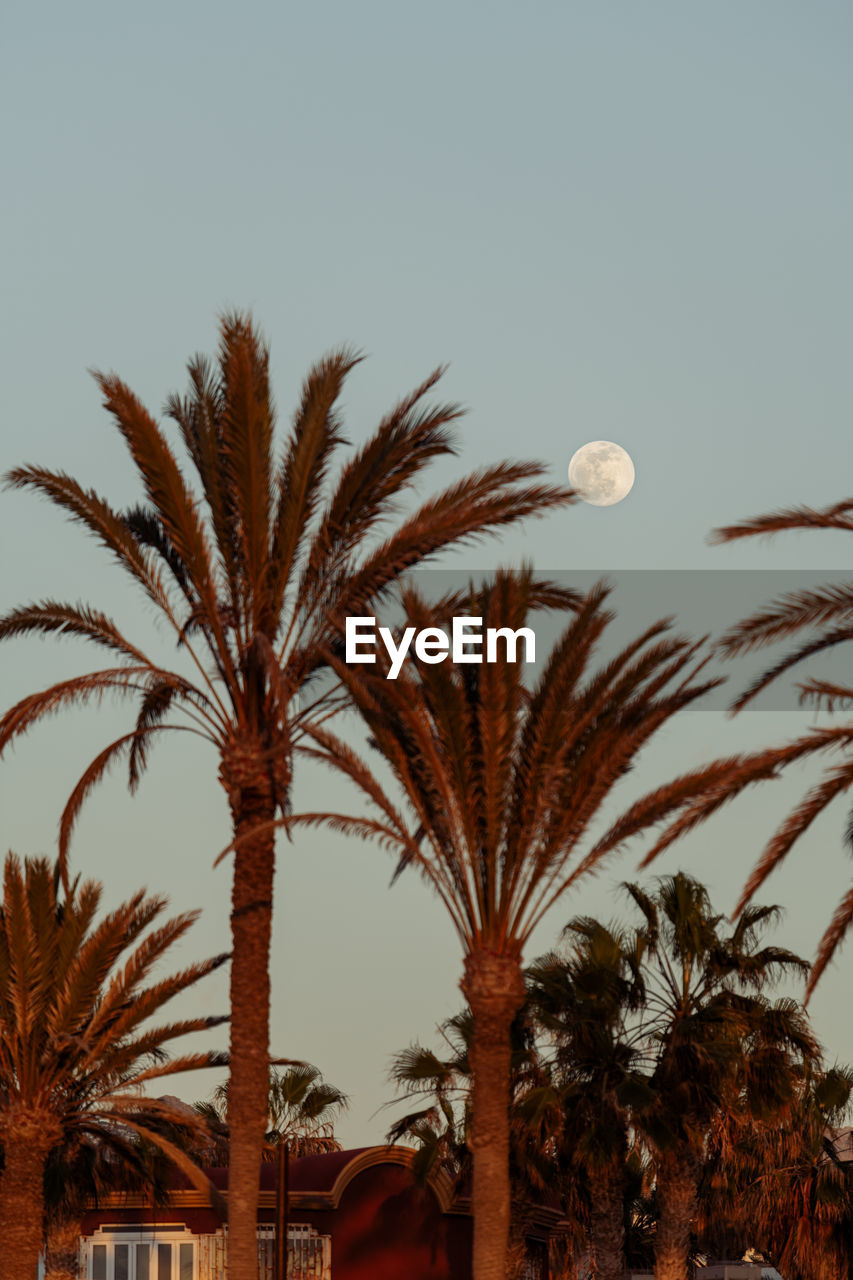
(352, 1215)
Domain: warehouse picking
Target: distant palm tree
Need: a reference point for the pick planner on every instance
(252, 559)
(302, 1112)
(827, 611)
(76, 1041)
(502, 783)
(717, 1044)
(588, 1004)
(443, 1083)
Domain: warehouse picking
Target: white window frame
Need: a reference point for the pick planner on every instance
(111, 1234)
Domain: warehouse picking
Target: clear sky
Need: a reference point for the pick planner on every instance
(620, 221)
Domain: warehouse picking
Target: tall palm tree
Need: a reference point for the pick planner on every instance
(828, 612)
(716, 1042)
(502, 783)
(252, 560)
(586, 1002)
(76, 1043)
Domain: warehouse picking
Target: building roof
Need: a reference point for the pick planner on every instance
(318, 1182)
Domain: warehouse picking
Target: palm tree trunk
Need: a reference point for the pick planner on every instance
(678, 1195)
(26, 1144)
(62, 1249)
(607, 1223)
(493, 985)
(250, 793)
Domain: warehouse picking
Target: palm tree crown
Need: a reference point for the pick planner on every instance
(503, 781)
(255, 574)
(302, 1112)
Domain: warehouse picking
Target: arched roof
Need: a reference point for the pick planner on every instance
(325, 1177)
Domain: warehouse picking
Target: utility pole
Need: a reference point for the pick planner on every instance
(281, 1208)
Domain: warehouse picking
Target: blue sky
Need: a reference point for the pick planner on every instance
(617, 221)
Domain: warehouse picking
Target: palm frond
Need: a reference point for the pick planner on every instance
(316, 433)
(838, 516)
(819, 644)
(171, 497)
(791, 612)
(246, 427)
(366, 491)
(48, 617)
(836, 782)
(107, 525)
(94, 685)
(731, 777)
(182, 1161)
(824, 695)
(461, 515)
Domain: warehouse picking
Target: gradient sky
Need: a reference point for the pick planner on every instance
(618, 221)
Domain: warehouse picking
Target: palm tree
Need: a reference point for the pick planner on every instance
(302, 1112)
(829, 612)
(303, 1109)
(440, 1128)
(502, 783)
(716, 1042)
(586, 1003)
(76, 1044)
(253, 571)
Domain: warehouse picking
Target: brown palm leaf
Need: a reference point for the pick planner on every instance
(828, 611)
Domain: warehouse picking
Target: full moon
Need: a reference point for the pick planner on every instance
(602, 472)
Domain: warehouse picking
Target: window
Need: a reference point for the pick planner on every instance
(138, 1253)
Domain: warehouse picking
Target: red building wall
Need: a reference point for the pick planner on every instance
(386, 1228)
